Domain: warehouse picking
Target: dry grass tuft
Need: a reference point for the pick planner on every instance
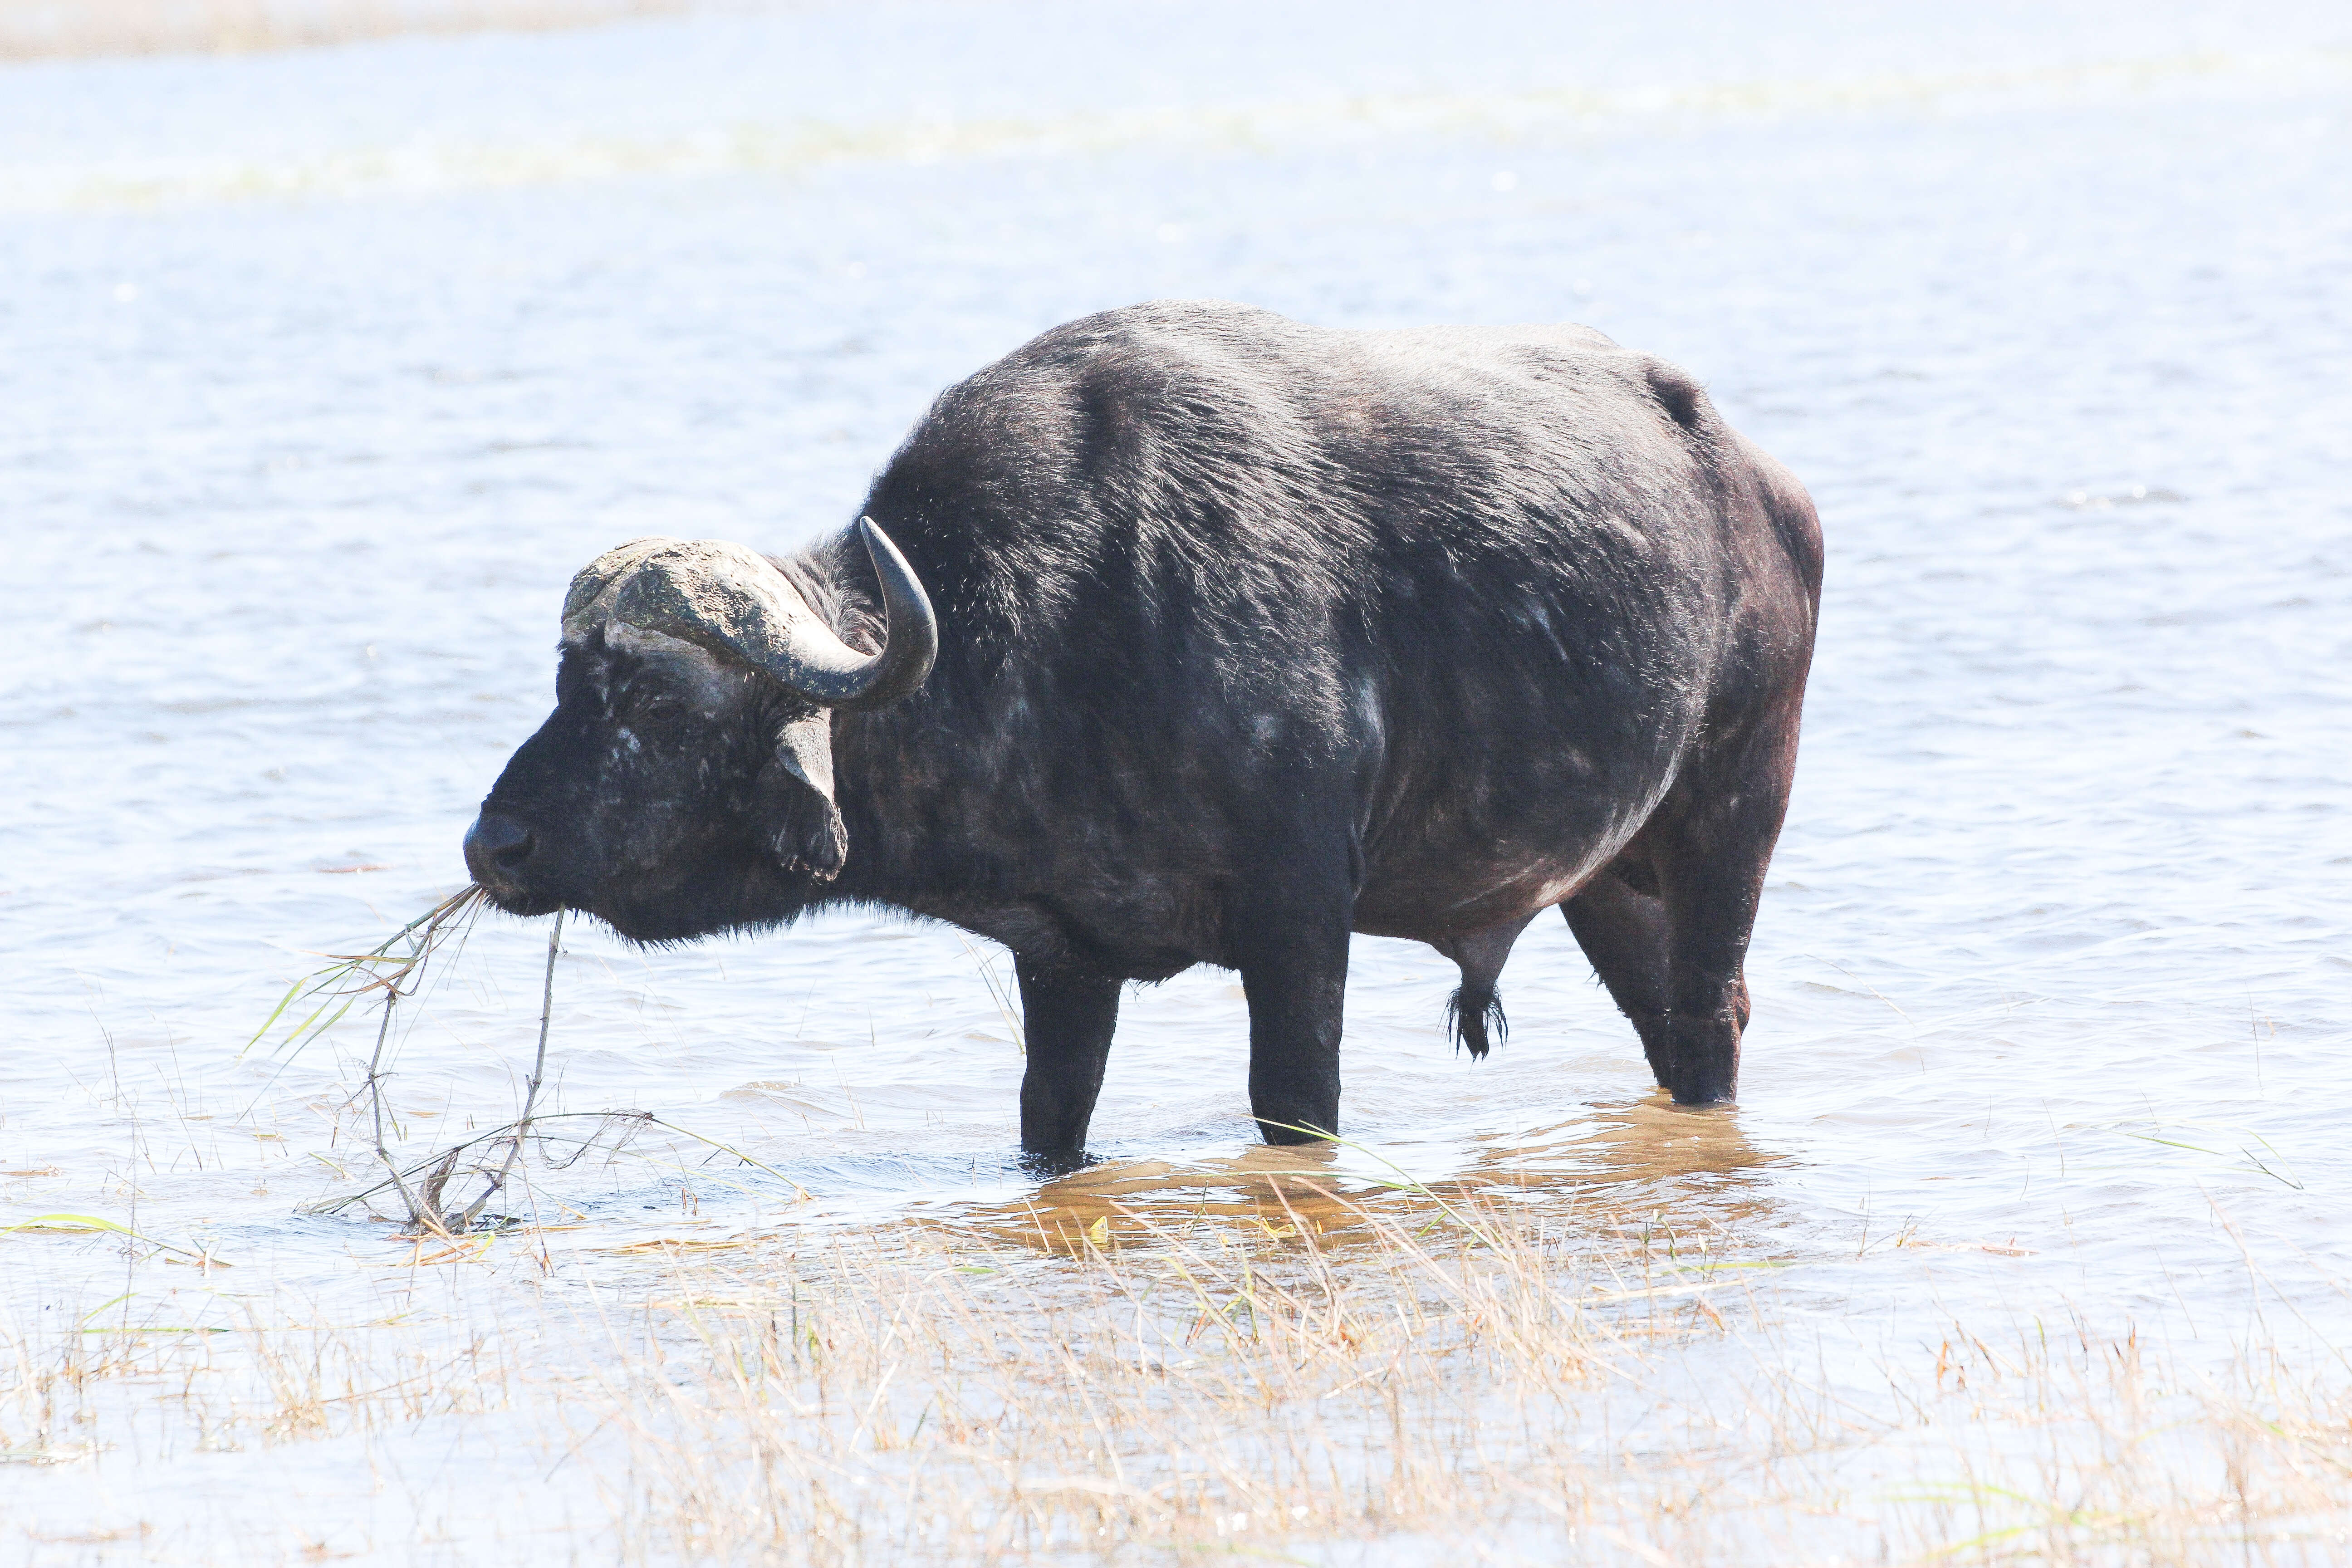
(1510, 1382)
(1203, 1384)
(1531, 1385)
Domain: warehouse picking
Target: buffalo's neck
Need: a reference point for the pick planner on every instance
(917, 826)
(943, 800)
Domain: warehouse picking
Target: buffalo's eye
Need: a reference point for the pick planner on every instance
(661, 710)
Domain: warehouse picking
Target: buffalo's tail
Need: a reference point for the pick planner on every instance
(1474, 1019)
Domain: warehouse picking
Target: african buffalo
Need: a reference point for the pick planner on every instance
(1188, 633)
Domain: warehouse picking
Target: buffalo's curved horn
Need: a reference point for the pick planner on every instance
(732, 601)
(910, 627)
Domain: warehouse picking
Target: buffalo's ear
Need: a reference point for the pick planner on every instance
(807, 832)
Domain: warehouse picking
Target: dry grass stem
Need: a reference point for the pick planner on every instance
(531, 1093)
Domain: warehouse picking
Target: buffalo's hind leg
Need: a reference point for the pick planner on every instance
(1623, 929)
(1674, 953)
(1710, 894)
(1066, 1019)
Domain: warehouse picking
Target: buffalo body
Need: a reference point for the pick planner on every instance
(1249, 634)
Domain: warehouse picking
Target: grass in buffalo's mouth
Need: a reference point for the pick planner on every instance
(392, 969)
(390, 973)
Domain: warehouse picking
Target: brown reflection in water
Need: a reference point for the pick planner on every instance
(1621, 1161)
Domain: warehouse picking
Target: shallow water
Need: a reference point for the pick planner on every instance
(326, 370)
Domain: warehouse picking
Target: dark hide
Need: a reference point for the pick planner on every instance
(1251, 635)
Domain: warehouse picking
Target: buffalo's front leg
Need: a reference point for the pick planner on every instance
(1066, 1019)
(1294, 964)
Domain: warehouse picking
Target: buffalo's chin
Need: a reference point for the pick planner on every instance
(658, 926)
(519, 901)
(675, 909)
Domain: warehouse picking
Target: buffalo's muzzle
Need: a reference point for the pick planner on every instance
(496, 849)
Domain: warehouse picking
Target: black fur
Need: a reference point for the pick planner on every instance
(1251, 635)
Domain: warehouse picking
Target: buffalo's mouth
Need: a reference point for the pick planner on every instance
(514, 866)
(499, 852)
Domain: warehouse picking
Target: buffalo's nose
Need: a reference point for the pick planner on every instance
(496, 847)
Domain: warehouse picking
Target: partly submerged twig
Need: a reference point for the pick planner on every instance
(396, 967)
(531, 1093)
(341, 984)
(334, 1206)
(428, 1203)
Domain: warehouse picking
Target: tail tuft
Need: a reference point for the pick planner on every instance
(1474, 1019)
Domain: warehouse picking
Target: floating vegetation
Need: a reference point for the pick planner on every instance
(92, 1225)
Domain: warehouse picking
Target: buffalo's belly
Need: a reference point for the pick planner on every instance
(1148, 929)
(1515, 817)
(1430, 893)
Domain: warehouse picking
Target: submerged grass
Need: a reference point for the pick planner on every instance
(1370, 1378)
(1526, 1387)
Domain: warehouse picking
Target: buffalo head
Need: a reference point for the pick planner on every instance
(684, 783)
